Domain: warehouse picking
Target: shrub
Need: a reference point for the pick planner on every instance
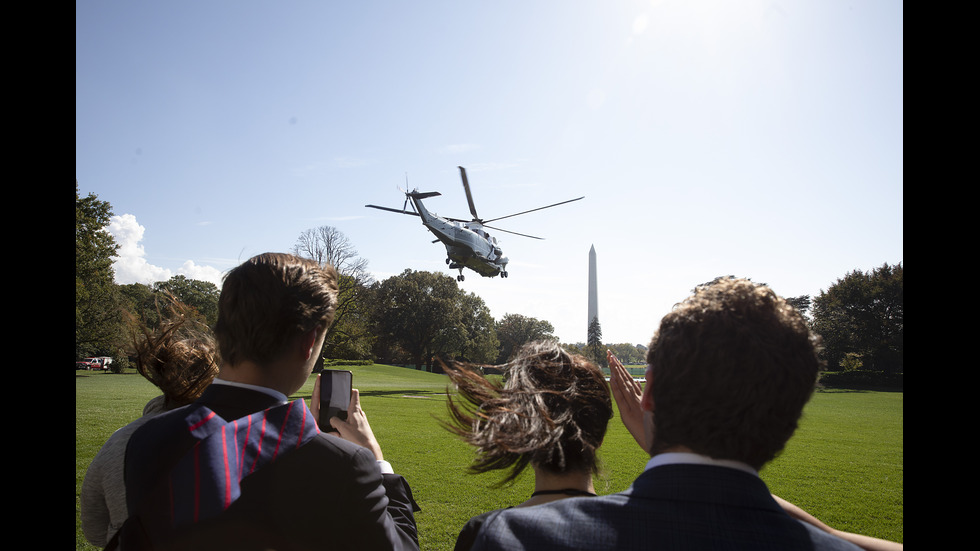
(119, 363)
(862, 380)
(851, 362)
(339, 362)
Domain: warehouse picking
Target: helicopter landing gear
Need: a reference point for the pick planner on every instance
(455, 266)
(503, 274)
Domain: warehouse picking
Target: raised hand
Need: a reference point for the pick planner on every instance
(627, 393)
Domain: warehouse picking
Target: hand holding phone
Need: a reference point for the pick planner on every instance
(353, 425)
(335, 392)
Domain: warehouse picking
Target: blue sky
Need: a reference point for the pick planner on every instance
(761, 139)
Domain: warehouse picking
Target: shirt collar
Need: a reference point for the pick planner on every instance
(282, 398)
(673, 458)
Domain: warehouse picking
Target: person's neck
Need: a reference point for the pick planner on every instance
(685, 455)
(250, 373)
(549, 486)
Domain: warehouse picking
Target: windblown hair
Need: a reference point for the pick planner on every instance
(269, 300)
(731, 370)
(551, 411)
(180, 356)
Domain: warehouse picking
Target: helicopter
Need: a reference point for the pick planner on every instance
(468, 244)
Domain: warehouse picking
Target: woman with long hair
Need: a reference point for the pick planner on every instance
(179, 357)
(550, 412)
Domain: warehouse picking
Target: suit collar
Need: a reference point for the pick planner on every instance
(671, 458)
(703, 483)
(234, 401)
(282, 398)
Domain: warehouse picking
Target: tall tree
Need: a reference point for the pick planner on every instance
(140, 301)
(202, 296)
(97, 314)
(863, 314)
(628, 353)
(801, 303)
(595, 342)
(348, 336)
(480, 344)
(516, 330)
(427, 314)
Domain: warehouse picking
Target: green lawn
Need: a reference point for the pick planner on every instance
(844, 465)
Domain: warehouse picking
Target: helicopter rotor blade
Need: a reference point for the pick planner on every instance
(469, 197)
(513, 232)
(392, 210)
(532, 210)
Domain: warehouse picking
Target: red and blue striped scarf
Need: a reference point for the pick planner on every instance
(207, 480)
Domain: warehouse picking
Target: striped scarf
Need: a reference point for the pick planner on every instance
(207, 480)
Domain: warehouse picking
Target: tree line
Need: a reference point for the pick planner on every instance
(422, 318)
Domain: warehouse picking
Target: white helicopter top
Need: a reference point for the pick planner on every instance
(468, 244)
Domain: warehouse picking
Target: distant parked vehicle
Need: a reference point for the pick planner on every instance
(99, 362)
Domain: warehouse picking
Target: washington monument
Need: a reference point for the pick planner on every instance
(593, 293)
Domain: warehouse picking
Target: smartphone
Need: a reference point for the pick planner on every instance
(335, 390)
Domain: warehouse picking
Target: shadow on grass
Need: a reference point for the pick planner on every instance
(831, 390)
(402, 393)
(385, 394)
(81, 373)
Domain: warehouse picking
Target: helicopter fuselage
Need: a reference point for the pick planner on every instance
(467, 245)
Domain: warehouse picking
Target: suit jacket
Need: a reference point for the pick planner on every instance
(670, 507)
(317, 492)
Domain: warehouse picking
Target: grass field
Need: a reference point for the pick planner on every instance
(844, 465)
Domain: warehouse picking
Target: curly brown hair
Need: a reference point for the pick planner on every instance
(180, 356)
(731, 369)
(267, 301)
(551, 411)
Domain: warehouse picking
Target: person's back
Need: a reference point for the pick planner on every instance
(673, 507)
(243, 467)
(324, 491)
(729, 371)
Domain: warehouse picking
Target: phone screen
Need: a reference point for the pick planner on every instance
(335, 389)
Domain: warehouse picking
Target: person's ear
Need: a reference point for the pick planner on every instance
(308, 340)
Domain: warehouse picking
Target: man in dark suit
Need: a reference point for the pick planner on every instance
(729, 371)
(244, 468)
